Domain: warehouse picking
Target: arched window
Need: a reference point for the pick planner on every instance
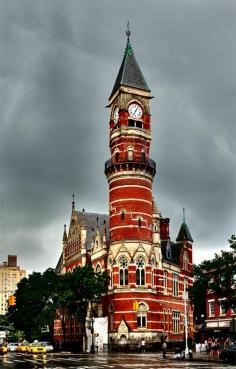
(123, 265)
(153, 265)
(130, 153)
(139, 222)
(185, 261)
(111, 316)
(98, 268)
(122, 215)
(142, 316)
(140, 271)
(165, 281)
(117, 154)
(143, 155)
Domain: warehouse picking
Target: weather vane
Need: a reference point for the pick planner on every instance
(128, 33)
(184, 215)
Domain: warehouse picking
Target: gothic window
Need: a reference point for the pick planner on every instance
(165, 281)
(130, 153)
(153, 265)
(143, 155)
(142, 316)
(111, 317)
(176, 321)
(122, 215)
(140, 271)
(164, 320)
(175, 285)
(123, 264)
(139, 222)
(185, 261)
(98, 268)
(117, 154)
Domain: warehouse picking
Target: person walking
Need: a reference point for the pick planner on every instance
(164, 349)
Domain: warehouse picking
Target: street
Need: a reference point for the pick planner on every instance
(101, 361)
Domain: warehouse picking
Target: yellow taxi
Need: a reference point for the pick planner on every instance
(3, 349)
(22, 347)
(36, 348)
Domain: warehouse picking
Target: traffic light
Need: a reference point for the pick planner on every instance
(12, 300)
(135, 305)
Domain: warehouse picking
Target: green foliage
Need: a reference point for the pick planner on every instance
(218, 276)
(41, 295)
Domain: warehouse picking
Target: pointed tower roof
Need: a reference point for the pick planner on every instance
(130, 74)
(64, 234)
(184, 234)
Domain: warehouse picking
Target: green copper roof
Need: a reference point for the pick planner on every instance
(130, 73)
(184, 234)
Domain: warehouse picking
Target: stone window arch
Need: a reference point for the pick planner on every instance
(140, 222)
(117, 155)
(111, 316)
(153, 265)
(142, 315)
(130, 151)
(98, 268)
(122, 215)
(185, 260)
(143, 154)
(140, 271)
(123, 271)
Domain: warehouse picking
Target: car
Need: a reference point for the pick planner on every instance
(12, 346)
(36, 348)
(48, 345)
(3, 349)
(229, 355)
(22, 347)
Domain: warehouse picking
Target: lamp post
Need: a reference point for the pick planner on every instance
(92, 350)
(186, 323)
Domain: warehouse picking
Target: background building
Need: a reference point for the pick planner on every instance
(149, 273)
(10, 275)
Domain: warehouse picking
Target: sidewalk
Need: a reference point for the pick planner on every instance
(202, 356)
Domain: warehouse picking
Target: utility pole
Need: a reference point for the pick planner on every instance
(186, 322)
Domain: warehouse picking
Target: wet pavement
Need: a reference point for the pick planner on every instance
(104, 361)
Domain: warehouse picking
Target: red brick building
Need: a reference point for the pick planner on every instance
(148, 272)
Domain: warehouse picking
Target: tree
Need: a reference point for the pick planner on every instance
(80, 291)
(218, 276)
(36, 302)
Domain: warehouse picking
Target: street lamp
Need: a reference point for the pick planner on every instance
(92, 350)
(186, 322)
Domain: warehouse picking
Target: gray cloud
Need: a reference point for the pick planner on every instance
(59, 61)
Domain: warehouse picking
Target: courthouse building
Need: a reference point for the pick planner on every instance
(149, 272)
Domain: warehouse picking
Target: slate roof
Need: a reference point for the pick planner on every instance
(89, 220)
(175, 251)
(184, 234)
(130, 74)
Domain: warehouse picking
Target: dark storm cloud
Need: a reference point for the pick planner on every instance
(59, 61)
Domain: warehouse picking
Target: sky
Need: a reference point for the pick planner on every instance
(58, 64)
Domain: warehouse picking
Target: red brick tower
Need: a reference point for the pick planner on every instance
(130, 173)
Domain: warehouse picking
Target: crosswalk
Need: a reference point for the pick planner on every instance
(106, 361)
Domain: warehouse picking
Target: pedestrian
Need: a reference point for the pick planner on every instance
(164, 349)
(143, 345)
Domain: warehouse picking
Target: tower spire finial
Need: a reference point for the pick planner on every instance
(73, 201)
(184, 215)
(128, 33)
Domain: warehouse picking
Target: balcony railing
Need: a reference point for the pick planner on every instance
(148, 162)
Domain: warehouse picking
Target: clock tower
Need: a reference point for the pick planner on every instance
(134, 250)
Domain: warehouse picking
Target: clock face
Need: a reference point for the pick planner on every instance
(116, 114)
(135, 110)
